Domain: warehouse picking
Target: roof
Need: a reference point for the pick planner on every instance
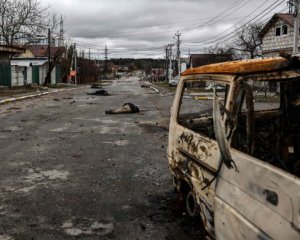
(42, 50)
(286, 17)
(241, 67)
(197, 60)
(11, 49)
(28, 62)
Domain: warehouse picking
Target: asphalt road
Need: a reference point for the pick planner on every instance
(68, 171)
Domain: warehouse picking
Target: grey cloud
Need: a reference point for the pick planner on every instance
(138, 24)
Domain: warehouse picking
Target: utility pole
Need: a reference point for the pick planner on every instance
(98, 66)
(75, 63)
(167, 63)
(170, 59)
(49, 56)
(177, 36)
(106, 58)
(61, 32)
(294, 7)
(89, 54)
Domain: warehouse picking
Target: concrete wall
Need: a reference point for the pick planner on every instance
(29, 75)
(43, 73)
(17, 77)
(53, 76)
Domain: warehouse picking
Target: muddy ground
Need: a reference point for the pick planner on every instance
(68, 171)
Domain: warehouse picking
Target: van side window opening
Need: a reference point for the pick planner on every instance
(275, 123)
(196, 107)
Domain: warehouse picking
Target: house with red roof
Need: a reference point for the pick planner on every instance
(277, 35)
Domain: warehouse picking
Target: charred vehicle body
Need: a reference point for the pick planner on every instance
(234, 151)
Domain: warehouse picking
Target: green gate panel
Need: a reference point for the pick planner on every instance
(36, 74)
(5, 75)
(58, 74)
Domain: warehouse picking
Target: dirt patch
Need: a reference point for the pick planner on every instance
(152, 128)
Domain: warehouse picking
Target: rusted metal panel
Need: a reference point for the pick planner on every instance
(241, 67)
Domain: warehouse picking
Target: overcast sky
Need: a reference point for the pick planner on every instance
(141, 28)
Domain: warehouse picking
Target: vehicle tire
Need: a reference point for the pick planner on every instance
(191, 204)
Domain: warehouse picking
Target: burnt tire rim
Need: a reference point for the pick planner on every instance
(190, 203)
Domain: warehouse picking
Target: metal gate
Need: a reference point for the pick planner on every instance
(5, 75)
(36, 74)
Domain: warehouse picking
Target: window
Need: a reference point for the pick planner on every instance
(268, 123)
(284, 30)
(281, 30)
(278, 31)
(196, 107)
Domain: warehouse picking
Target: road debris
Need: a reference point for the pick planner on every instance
(96, 85)
(126, 108)
(100, 93)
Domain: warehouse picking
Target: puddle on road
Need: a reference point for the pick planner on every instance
(119, 142)
(64, 128)
(12, 129)
(117, 130)
(6, 237)
(77, 227)
(16, 164)
(36, 175)
(26, 189)
(101, 120)
(125, 128)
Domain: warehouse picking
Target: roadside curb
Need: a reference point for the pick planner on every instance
(153, 88)
(203, 98)
(14, 99)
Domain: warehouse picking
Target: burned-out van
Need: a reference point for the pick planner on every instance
(234, 149)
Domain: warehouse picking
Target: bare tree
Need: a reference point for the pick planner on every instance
(249, 41)
(224, 52)
(21, 19)
(56, 53)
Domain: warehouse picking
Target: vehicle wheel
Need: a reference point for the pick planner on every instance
(191, 204)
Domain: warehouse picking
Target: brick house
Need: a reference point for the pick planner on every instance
(277, 35)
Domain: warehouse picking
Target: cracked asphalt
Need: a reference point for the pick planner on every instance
(68, 171)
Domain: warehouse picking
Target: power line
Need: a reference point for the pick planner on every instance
(226, 11)
(236, 26)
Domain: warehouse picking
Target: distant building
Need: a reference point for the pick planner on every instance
(184, 63)
(277, 35)
(157, 74)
